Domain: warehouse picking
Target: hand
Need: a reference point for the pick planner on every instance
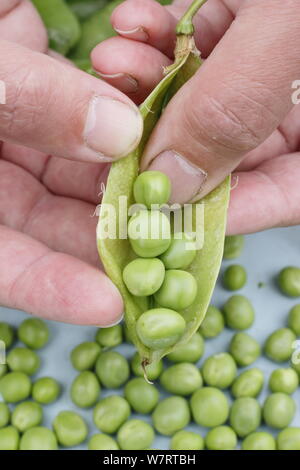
(236, 114)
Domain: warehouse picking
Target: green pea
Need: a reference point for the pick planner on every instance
(142, 396)
(23, 360)
(112, 369)
(191, 351)
(289, 281)
(278, 410)
(102, 442)
(209, 407)
(160, 328)
(239, 313)
(9, 438)
(259, 441)
(219, 370)
(3, 370)
(149, 233)
(45, 390)
(233, 246)
(34, 333)
(289, 439)
(4, 415)
(187, 440)
(248, 384)
(221, 438)
(144, 277)
(70, 428)
(284, 381)
(85, 389)
(152, 188)
(244, 349)
(171, 415)
(180, 253)
(84, 8)
(245, 416)
(85, 355)
(213, 323)
(279, 345)
(296, 367)
(38, 438)
(7, 334)
(27, 415)
(234, 277)
(152, 370)
(294, 319)
(110, 337)
(135, 435)
(178, 290)
(181, 379)
(110, 413)
(15, 386)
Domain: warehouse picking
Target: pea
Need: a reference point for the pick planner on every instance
(233, 246)
(153, 370)
(259, 441)
(110, 337)
(278, 410)
(23, 360)
(171, 415)
(209, 407)
(296, 367)
(244, 349)
(112, 369)
(191, 351)
(149, 233)
(245, 416)
(239, 313)
(248, 384)
(181, 379)
(178, 290)
(160, 328)
(294, 319)
(152, 188)
(110, 413)
(85, 355)
(144, 277)
(27, 415)
(70, 428)
(102, 442)
(45, 390)
(4, 415)
(213, 323)
(85, 389)
(141, 396)
(38, 438)
(284, 381)
(187, 440)
(3, 370)
(219, 370)
(9, 438)
(279, 345)
(34, 333)
(289, 439)
(180, 253)
(234, 277)
(221, 438)
(15, 386)
(289, 281)
(135, 435)
(7, 334)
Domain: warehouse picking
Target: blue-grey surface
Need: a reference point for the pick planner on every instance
(264, 255)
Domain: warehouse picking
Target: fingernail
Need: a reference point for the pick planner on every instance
(139, 33)
(187, 180)
(123, 81)
(113, 128)
(112, 324)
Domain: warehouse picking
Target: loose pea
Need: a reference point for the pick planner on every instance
(85, 389)
(34, 333)
(7, 334)
(279, 345)
(144, 277)
(180, 253)
(235, 277)
(233, 246)
(135, 435)
(152, 187)
(3, 370)
(45, 390)
(244, 349)
(15, 386)
(141, 396)
(181, 379)
(171, 415)
(294, 319)
(248, 384)
(102, 442)
(153, 370)
(213, 323)
(160, 328)
(221, 438)
(85, 355)
(239, 313)
(278, 410)
(70, 428)
(289, 281)
(219, 370)
(110, 413)
(110, 337)
(210, 407)
(27, 415)
(38, 438)
(23, 360)
(4, 415)
(178, 290)
(259, 441)
(9, 438)
(284, 381)
(112, 369)
(187, 440)
(245, 416)
(191, 351)
(289, 439)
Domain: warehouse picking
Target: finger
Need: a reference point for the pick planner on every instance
(213, 121)
(54, 285)
(63, 112)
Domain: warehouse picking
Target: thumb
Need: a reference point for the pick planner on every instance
(234, 102)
